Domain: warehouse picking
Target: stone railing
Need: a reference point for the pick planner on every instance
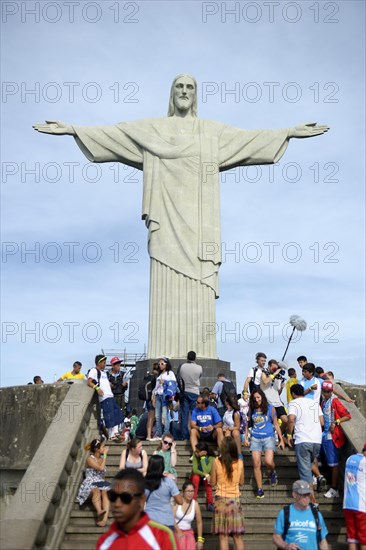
(39, 510)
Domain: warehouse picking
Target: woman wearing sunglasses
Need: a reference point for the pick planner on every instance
(167, 449)
(184, 515)
(159, 400)
(159, 490)
(94, 485)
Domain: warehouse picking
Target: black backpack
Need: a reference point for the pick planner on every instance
(99, 374)
(180, 385)
(252, 385)
(228, 390)
(146, 387)
(286, 511)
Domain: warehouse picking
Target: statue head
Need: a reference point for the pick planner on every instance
(187, 99)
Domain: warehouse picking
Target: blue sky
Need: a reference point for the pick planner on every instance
(293, 234)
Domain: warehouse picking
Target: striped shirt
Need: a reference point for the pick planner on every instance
(145, 535)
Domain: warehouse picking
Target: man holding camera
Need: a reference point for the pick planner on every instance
(272, 384)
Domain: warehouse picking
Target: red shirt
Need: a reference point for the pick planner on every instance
(145, 535)
(339, 410)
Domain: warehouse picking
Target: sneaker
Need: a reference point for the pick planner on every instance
(259, 493)
(332, 493)
(315, 482)
(321, 483)
(273, 478)
(210, 507)
(316, 506)
(191, 458)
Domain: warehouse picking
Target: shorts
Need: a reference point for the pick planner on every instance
(330, 452)
(280, 411)
(207, 436)
(262, 445)
(149, 406)
(305, 455)
(356, 526)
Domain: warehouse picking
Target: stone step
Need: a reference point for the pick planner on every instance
(251, 528)
(211, 543)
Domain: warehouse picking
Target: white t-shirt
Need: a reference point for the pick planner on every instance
(258, 375)
(103, 383)
(307, 424)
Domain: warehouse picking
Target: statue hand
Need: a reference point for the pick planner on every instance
(309, 129)
(55, 127)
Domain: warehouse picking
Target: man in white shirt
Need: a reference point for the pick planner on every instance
(253, 379)
(98, 380)
(305, 421)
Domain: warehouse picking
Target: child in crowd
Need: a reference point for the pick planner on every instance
(167, 449)
(201, 471)
(290, 382)
(134, 419)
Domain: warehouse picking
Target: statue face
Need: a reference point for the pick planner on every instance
(183, 93)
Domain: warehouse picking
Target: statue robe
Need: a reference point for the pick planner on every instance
(181, 159)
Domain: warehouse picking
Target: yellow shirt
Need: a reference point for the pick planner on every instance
(290, 382)
(226, 488)
(70, 376)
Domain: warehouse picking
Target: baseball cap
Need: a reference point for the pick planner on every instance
(115, 360)
(301, 487)
(327, 385)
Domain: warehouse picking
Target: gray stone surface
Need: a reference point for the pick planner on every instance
(26, 413)
(47, 478)
(211, 367)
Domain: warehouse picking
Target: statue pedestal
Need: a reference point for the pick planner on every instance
(211, 368)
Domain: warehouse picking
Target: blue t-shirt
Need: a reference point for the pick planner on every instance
(302, 528)
(208, 417)
(262, 424)
(158, 505)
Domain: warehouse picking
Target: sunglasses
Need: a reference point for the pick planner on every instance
(168, 443)
(126, 498)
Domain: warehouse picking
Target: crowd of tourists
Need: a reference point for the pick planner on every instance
(149, 509)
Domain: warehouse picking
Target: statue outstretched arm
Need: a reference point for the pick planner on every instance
(55, 127)
(309, 129)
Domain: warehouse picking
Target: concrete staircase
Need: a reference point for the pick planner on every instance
(82, 533)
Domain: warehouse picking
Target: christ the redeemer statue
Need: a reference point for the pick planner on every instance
(181, 157)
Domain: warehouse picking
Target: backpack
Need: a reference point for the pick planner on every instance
(181, 387)
(252, 385)
(146, 387)
(286, 511)
(228, 390)
(99, 374)
(169, 389)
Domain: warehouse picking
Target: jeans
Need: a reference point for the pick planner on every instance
(161, 413)
(305, 454)
(187, 406)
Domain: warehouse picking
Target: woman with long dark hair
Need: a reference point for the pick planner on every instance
(94, 485)
(263, 420)
(159, 490)
(159, 399)
(227, 474)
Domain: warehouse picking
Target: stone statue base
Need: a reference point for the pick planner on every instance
(211, 368)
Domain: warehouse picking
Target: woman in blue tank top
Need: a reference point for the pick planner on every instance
(262, 419)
